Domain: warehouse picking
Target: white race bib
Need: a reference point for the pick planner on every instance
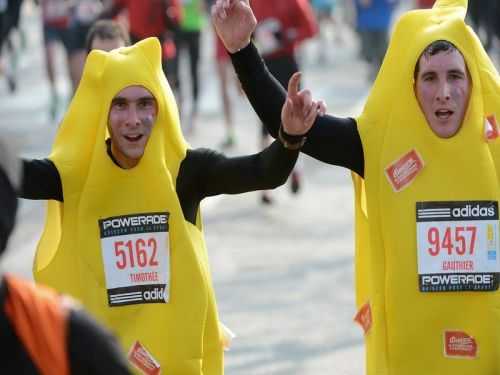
(136, 258)
(457, 244)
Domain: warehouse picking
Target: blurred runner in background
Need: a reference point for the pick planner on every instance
(152, 18)
(282, 26)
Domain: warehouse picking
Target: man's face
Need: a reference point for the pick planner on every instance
(443, 88)
(106, 44)
(131, 117)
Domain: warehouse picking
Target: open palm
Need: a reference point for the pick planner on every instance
(234, 22)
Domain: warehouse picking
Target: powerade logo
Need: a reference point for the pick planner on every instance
(474, 211)
(129, 221)
(459, 282)
(457, 279)
(133, 224)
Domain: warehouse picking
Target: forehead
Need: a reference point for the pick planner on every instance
(134, 93)
(442, 61)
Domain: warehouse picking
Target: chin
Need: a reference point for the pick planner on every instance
(135, 155)
(446, 133)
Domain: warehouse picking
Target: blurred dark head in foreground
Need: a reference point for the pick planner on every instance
(9, 177)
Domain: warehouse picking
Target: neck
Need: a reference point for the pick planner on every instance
(120, 159)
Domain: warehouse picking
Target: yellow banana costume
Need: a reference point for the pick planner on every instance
(119, 242)
(427, 259)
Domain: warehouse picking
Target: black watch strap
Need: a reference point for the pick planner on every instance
(291, 142)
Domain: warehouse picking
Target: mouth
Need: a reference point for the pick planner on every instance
(133, 138)
(443, 114)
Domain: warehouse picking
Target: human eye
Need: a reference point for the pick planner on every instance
(456, 76)
(119, 104)
(146, 103)
(428, 77)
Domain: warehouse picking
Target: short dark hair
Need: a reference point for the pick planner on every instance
(106, 29)
(433, 49)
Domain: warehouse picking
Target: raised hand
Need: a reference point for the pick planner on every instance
(299, 111)
(234, 22)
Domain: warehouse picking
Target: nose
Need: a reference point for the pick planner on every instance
(133, 117)
(443, 93)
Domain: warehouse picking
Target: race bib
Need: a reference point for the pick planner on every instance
(136, 258)
(457, 244)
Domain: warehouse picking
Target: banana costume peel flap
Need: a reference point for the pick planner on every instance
(415, 332)
(75, 254)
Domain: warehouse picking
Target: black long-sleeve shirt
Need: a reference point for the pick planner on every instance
(333, 140)
(202, 173)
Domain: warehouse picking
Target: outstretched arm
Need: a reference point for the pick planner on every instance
(269, 168)
(220, 174)
(332, 140)
(40, 180)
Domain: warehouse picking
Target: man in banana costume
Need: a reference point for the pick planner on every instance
(123, 231)
(425, 153)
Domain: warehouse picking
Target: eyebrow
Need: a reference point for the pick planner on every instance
(120, 99)
(457, 71)
(451, 71)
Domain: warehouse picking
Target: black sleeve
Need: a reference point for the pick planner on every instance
(41, 180)
(92, 349)
(218, 174)
(332, 140)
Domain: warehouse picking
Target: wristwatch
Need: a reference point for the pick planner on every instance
(291, 142)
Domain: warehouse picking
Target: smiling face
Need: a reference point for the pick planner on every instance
(131, 116)
(443, 87)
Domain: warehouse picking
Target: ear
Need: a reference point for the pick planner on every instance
(151, 48)
(456, 6)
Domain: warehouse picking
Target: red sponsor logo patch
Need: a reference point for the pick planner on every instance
(404, 170)
(491, 131)
(458, 344)
(143, 360)
(364, 317)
